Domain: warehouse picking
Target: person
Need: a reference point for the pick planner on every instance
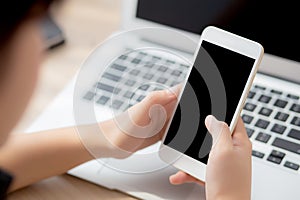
(28, 158)
(228, 174)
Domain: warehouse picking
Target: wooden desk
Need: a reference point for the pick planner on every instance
(85, 24)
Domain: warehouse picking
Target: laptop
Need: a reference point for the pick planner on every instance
(271, 113)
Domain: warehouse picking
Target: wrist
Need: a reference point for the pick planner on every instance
(98, 140)
(234, 196)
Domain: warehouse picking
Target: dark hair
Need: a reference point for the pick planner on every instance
(14, 12)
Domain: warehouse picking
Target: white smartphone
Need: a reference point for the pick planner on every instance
(218, 83)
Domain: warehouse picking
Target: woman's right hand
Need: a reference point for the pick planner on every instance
(228, 174)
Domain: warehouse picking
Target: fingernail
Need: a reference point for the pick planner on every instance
(210, 122)
(172, 176)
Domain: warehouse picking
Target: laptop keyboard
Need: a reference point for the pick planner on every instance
(132, 76)
(271, 117)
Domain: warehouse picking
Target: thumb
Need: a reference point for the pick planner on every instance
(165, 98)
(161, 97)
(219, 130)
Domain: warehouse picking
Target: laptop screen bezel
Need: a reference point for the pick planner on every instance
(131, 21)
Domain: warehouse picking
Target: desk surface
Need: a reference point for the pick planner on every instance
(85, 24)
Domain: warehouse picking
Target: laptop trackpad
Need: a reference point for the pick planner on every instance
(146, 176)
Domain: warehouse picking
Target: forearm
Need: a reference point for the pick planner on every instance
(232, 197)
(32, 157)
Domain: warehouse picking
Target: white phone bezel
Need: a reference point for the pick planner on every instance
(234, 43)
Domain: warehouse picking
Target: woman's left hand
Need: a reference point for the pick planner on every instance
(142, 125)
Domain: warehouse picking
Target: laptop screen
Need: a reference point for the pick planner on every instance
(274, 24)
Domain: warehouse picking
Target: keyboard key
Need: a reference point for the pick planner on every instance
(296, 121)
(156, 58)
(176, 73)
(174, 83)
(162, 80)
(185, 66)
(123, 57)
(141, 98)
(264, 99)
(263, 137)
(130, 105)
(262, 123)
(277, 154)
(111, 77)
(108, 88)
(134, 72)
(259, 87)
(130, 82)
(119, 67)
(162, 69)
(249, 107)
(278, 128)
(89, 95)
(144, 87)
(280, 103)
(142, 53)
(247, 119)
(251, 95)
(157, 88)
(291, 165)
(148, 76)
(170, 61)
(128, 94)
(274, 159)
(295, 108)
(257, 154)
(265, 111)
(281, 116)
(102, 100)
(249, 132)
(294, 133)
(116, 104)
(291, 96)
(287, 145)
(149, 65)
(136, 61)
(276, 92)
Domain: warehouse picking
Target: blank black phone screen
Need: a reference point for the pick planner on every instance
(215, 85)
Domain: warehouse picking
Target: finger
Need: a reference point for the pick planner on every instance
(181, 177)
(152, 140)
(240, 129)
(176, 89)
(219, 130)
(161, 97)
(240, 134)
(140, 113)
(170, 108)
